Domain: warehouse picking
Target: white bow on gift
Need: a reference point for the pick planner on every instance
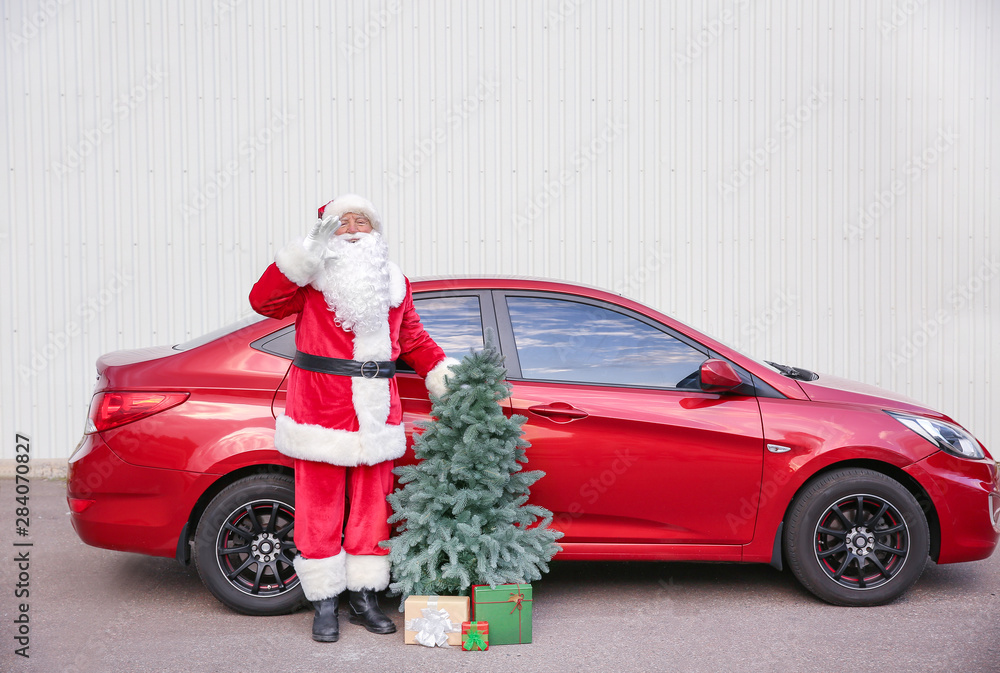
(433, 628)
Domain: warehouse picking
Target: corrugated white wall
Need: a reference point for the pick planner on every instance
(813, 181)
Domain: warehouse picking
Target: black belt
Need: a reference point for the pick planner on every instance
(371, 369)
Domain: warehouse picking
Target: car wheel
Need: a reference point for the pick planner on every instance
(856, 537)
(243, 547)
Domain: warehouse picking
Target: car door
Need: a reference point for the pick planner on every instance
(634, 451)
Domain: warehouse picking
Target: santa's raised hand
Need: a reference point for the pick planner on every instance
(317, 239)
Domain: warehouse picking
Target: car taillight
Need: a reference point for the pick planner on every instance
(79, 505)
(109, 410)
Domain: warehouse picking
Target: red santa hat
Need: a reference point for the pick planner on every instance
(352, 203)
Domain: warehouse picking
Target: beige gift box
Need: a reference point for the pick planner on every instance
(456, 606)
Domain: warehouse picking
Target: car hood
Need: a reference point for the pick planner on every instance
(835, 389)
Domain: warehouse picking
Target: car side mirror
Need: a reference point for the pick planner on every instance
(718, 376)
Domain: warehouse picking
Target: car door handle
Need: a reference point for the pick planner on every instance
(558, 409)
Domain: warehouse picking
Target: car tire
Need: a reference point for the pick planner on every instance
(243, 547)
(850, 560)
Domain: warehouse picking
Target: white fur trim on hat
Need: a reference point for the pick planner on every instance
(352, 203)
(435, 377)
(367, 572)
(298, 264)
(322, 577)
(368, 446)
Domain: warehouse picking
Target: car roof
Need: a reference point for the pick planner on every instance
(526, 283)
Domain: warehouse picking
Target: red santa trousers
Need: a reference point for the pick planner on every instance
(331, 547)
(319, 508)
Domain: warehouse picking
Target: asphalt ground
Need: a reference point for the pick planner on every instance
(93, 610)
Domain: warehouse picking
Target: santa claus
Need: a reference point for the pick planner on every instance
(342, 420)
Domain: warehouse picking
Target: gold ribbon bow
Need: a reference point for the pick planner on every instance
(516, 598)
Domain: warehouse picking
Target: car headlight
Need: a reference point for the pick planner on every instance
(945, 436)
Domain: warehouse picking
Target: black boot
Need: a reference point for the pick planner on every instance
(363, 609)
(326, 627)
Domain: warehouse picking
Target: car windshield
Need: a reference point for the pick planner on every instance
(222, 331)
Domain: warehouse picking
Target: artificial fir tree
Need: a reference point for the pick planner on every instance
(463, 510)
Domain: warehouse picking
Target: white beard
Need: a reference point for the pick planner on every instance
(355, 281)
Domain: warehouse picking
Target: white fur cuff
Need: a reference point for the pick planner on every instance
(298, 264)
(367, 572)
(435, 377)
(338, 447)
(321, 577)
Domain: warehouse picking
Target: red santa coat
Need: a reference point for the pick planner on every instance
(344, 420)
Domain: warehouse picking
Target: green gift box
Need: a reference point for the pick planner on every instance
(507, 608)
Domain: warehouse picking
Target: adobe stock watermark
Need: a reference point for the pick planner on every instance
(955, 300)
(780, 304)
(678, 597)
(592, 490)
(746, 515)
(122, 108)
(563, 10)
(901, 13)
(709, 34)
(553, 189)
(247, 152)
(58, 342)
(641, 275)
(457, 115)
(360, 38)
(786, 127)
(884, 201)
(223, 7)
(35, 22)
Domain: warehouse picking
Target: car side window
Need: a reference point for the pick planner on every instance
(280, 343)
(560, 340)
(284, 345)
(455, 323)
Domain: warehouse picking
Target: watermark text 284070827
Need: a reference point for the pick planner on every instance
(22, 551)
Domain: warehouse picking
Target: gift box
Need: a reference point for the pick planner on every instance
(435, 620)
(475, 636)
(507, 608)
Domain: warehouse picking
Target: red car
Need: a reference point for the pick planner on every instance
(658, 443)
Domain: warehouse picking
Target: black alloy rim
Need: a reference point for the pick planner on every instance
(861, 542)
(255, 548)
